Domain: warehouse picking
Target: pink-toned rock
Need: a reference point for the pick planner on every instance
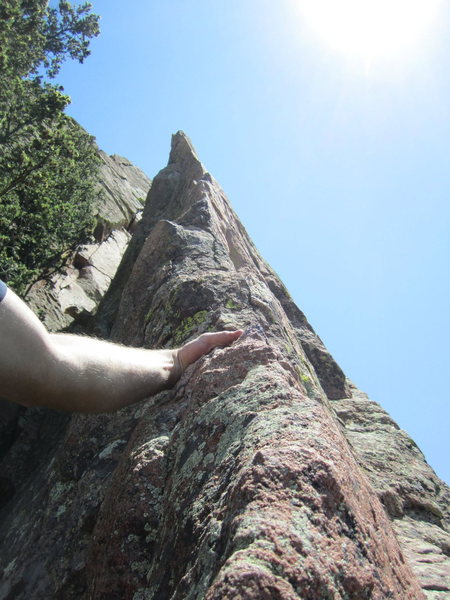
(259, 476)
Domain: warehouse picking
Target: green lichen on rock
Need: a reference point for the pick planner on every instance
(289, 348)
(307, 383)
(230, 304)
(149, 316)
(188, 325)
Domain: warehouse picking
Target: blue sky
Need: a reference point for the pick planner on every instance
(339, 170)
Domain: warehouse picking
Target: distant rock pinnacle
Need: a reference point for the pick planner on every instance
(182, 151)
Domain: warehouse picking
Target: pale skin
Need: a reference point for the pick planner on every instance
(83, 374)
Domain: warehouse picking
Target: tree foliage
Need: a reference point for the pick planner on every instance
(47, 162)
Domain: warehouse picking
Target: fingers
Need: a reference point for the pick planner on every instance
(192, 351)
(220, 338)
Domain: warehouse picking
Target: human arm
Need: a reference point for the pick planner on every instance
(83, 374)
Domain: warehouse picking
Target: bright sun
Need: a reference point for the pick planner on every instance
(371, 29)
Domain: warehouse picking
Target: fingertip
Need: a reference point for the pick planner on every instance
(237, 334)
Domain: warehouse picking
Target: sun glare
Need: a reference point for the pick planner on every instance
(371, 29)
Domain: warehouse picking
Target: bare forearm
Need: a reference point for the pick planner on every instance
(84, 374)
(91, 375)
(74, 372)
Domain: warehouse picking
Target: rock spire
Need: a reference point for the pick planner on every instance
(264, 474)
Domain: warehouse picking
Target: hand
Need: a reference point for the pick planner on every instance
(192, 351)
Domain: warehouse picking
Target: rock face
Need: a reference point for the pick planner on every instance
(264, 474)
(76, 291)
(416, 500)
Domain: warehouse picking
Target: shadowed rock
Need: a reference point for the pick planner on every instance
(264, 474)
(75, 292)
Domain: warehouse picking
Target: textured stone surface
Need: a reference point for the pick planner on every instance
(125, 189)
(417, 501)
(79, 288)
(264, 474)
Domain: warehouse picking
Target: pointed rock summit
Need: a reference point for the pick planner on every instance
(263, 475)
(182, 152)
